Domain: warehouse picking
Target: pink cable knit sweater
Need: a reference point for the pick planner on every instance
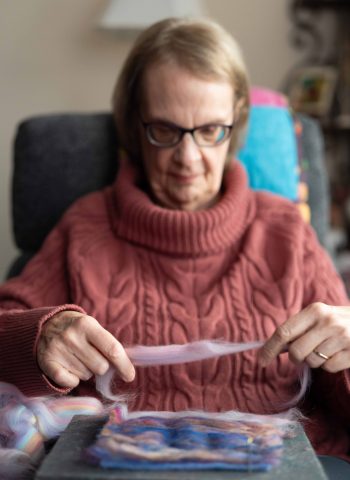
(154, 276)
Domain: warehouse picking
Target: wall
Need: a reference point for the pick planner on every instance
(53, 58)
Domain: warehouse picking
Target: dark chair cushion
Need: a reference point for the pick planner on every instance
(58, 158)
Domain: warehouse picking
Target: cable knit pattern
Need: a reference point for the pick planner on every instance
(156, 276)
(182, 233)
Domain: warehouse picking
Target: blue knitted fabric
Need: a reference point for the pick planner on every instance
(270, 152)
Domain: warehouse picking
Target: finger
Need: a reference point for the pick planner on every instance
(302, 347)
(60, 375)
(293, 328)
(97, 348)
(67, 360)
(338, 362)
(328, 335)
(112, 350)
(329, 348)
(75, 366)
(314, 360)
(70, 352)
(87, 359)
(94, 361)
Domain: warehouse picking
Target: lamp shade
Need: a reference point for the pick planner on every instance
(135, 15)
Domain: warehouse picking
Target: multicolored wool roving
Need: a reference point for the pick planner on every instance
(27, 423)
(189, 441)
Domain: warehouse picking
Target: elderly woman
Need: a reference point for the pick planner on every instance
(180, 249)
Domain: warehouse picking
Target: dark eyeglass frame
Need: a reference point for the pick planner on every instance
(181, 132)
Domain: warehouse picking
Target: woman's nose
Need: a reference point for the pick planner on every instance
(187, 151)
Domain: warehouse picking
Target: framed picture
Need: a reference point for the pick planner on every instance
(312, 90)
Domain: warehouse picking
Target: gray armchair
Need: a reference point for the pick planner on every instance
(57, 159)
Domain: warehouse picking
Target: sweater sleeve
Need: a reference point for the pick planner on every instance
(26, 303)
(323, 284)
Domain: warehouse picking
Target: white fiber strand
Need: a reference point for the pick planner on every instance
(144, 356)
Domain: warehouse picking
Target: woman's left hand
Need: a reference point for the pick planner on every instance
(318, 335)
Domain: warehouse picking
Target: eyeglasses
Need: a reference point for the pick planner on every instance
(163, 134)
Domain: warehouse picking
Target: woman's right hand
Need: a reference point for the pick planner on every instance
(74, 346)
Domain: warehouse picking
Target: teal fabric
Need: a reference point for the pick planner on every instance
(270, 152)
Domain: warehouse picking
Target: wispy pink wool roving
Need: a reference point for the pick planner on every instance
(145, 356)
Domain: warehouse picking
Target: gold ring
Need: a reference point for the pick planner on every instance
(322, 355)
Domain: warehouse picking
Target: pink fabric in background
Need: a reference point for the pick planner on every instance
(264, 96)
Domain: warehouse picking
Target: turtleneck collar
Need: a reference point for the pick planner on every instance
(139, 220)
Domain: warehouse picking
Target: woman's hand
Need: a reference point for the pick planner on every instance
(318, 335)
(73, 347)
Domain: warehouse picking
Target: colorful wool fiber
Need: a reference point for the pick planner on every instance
(145, 356)
(26, 423)
(189, 441)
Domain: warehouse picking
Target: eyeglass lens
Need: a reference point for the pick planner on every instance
(168, 135)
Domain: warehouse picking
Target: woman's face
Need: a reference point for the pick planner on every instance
(185, 176)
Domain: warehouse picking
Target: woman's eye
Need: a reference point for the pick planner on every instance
(162, 132)
(210, 131)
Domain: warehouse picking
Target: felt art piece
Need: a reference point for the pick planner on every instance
(189, 441)
(270, 152)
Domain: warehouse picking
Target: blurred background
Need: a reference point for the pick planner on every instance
(58, 56)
